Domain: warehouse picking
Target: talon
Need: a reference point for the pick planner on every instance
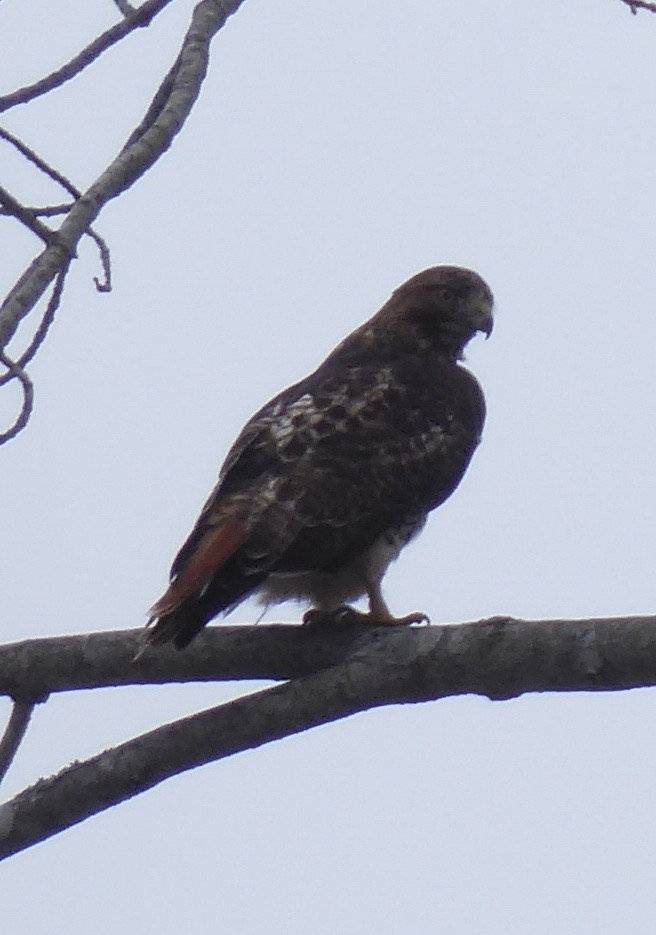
(417, 617)
(314, 618)
(344, 616)
(349, 617)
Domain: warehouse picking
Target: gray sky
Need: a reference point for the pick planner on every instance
(338, 148)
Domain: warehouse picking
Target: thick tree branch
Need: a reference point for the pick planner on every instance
(360, 669)
(34, 669)
(550, 655)
(115, 775)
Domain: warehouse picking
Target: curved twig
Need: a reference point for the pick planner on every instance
(156, 106)
(134, 19)
(41, 331)
(104, 284)
(16, 372)
(207, 19)
(19, 719)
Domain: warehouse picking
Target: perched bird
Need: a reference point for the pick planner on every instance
(332, 477)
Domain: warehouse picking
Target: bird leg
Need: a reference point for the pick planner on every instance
(379, 614)
(346, 616)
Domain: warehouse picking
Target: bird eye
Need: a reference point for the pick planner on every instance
(447, 293)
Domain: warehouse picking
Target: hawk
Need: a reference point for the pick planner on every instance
(336, 474)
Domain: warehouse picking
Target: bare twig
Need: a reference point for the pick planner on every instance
(635, 5)
(44, 211)
(104, 284)
(19, 719)
(207, 19)
(16, 372)
(156, 106)
(40, 163)
(42, 330)
(125, 7)
(27, 217)
(164, 119)
(498, 658)
(134, 18)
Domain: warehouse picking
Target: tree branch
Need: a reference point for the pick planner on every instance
(163, 121)
(548, 653)
(125, 7)
(13, 735)
(635, 5)
(14, 208)
(34, 669)
(358, 669)
(40, 163)
(133, 19)
(207, 19)
(40, 211)
(40, 333)
(16, 372)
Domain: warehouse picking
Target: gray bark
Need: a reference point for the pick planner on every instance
(331, 674)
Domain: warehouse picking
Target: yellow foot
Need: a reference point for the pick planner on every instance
(349, 617)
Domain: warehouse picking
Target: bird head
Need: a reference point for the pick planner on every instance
(444, 306)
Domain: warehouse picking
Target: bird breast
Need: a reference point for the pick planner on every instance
(329, 590)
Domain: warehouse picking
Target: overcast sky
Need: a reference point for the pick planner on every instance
(337, 148)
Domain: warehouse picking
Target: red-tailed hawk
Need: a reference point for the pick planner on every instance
(332, 477)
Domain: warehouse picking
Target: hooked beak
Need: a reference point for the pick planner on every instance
(485, 321)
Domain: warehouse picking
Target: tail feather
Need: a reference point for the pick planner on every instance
(177, 617)
(178, 627)
(209, 556)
